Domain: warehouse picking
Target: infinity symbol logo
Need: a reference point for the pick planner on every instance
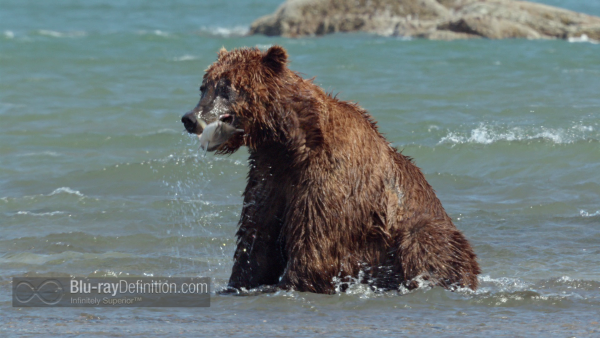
(50, 292)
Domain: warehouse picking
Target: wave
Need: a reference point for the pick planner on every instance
(61, 190)
(30, 213)
(493, 292)
(185, 57)
(41, 153)
(156, 32)
(583, 38)
(487, 134)
(8, 34)
(263, 47)
(225, 32)
(584, 213)
(8, 107)
(211, 31)
(502, 284)
(42, 259)
(189, 57)
(66, 190)
(56, 34)
(162, 131)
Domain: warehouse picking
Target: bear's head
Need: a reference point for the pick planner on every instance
(243, 89)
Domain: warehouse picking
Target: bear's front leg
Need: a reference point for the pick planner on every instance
(306, 278)
(314, 247)
(258, 259)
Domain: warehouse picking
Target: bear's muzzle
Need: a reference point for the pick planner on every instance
(192, 124)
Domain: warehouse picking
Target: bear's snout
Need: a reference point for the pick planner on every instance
(191, 123)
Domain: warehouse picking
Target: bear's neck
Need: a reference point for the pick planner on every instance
(272, 159)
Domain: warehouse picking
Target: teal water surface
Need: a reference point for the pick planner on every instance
(97, 177)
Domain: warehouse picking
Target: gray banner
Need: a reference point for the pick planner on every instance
(111, 291)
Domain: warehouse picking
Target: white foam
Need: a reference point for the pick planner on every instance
(263, 47)
(66, 190)
(156, 32)
(582, 38)
(226, 31)
(158, 132)
(8, 34)
(565, 279)
(40, 259)
(487, 134)
(584, 213)
(41, 153)
(55, 34)
(29, 213)
(185, 57)
(502, 284)
(583, 128)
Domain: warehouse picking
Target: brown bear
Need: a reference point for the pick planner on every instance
(329, 201)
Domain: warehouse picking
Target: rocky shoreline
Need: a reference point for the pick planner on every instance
(430, 19)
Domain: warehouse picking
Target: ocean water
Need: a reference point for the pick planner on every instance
(97, 177)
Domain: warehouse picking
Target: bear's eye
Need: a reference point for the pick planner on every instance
(223, 88)
(225, 92)
(202, 91)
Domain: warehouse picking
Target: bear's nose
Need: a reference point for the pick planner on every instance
(190, 122)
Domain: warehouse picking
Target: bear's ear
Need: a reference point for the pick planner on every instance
(222, 52)
(275, 58)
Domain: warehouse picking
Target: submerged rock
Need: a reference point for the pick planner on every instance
(432, 19)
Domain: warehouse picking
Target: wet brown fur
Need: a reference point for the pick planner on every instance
(327, 196)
